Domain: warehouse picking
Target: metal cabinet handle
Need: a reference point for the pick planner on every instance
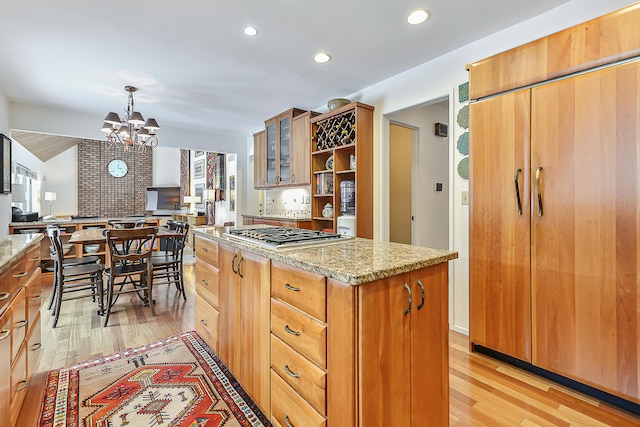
(4, 295)
(204, 323)
(538, 171)
(22, 385)
(291, 288)
(17, 276)
(293, 177)
(422, 289)
(518, 201)
(204, 248)
(37, 298)
(35, 259)
(233, 264)
(286, 421)
(4, 333)
(410, 299)
(240, 265)
(290, 331)
(204, 282)
(290, 373)
(36, 346)
(21, 324)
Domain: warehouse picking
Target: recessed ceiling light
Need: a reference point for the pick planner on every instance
(418, 17)
(251, 31)
(322, 57)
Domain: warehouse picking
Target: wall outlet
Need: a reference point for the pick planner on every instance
(307, 199)
(465, 197)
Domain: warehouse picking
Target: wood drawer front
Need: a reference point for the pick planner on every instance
(208, 282)
(33, 258)
(287, 404)
(5, 289)
(300, 331)
(306, 378)
(302, 289)
(207, 250)
(19, 323)
(19, 273)
(207, 322)
(34, 346)
(19, 383)
(34, 295)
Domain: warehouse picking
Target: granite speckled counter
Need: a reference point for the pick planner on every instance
(354, 261)
(62, 221)
(14, 246)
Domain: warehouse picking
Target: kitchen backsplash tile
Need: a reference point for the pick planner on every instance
(288, 202)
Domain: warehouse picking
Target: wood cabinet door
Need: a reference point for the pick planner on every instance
(429, 347)
(229, 327)
(259, 159)
(5, 363)
(385, 353)
(585, 142)
(499, 250)
(254, 321)
(301, 150)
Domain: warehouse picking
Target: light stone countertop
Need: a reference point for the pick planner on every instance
(354, 261)
(13, 246)
(277, 218)
(63, 221)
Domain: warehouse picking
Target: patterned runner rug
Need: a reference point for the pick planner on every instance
(177, 382)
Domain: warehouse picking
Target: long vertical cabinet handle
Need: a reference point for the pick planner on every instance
(410, 299)
(518, 201)
(422, 290)
(538, 171)
(240, 265)
(233, 263)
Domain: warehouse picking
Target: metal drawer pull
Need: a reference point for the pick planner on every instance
(22, 386)
(286, 421)
(422, 288)
(4, 333)
(35, 259)
(538, 190)
(291, 288)
(410, 299)
(4, 295)
(37, 298)
(21, 324)
(204, 323)
(17, 276)
(36, 346)
(288, 330)
(515, 179)
(204, 282)
(233, 263)
(204, 248)
(290, 373)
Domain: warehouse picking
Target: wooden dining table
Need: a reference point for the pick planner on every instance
(94, 235)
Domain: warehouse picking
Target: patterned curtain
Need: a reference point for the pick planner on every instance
(185, 173)
(216, 177)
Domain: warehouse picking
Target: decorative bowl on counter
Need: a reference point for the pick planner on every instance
(89, 249)
(337, 103)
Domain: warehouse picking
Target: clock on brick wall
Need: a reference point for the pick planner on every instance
(112, 183)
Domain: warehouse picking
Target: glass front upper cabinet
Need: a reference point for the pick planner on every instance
(285, 150)
(271, 154)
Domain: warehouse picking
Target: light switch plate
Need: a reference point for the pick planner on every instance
(465, 197)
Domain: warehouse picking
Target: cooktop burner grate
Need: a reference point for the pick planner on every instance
(283, 236)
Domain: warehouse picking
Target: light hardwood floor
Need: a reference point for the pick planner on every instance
(483, 391)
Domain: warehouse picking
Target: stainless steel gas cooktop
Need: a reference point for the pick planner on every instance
(283, 237)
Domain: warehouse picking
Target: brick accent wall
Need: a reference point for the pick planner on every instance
(101, 194)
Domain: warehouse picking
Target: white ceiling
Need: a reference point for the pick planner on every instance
(193, 62)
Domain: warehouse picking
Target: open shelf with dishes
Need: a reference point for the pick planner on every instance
(342, 168)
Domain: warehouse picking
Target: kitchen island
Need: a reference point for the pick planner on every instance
(348, 333)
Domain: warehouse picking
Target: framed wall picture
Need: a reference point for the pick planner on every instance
(198, 169)
(200, 193)
(232, 193)
(5, 185)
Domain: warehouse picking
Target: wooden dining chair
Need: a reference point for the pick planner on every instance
(73, 280)
(168, 264)
(130, 269)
